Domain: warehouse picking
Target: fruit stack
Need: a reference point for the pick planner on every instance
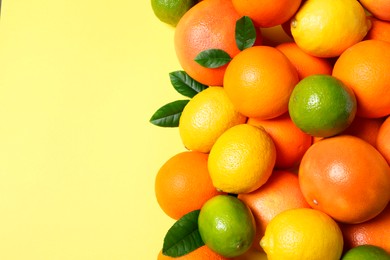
(287, 145)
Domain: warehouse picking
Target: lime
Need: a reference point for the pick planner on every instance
(226, 225)
(322, 105)
(366, 252)
(170, 11)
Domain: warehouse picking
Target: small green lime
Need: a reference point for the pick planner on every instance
(366, 252)
(226, 225)
(170, 11)
(322, 105)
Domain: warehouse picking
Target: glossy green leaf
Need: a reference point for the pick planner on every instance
(183, 237)
(213, 58)
(245, 33)
(169, 114)
(185, 85)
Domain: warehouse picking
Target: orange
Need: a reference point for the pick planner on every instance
(345, 177)
(383, 140)
(290, 142)
(281, 192)
(365, 68)
(305, 63)
(380, 30)
(379, 8)
(259, 81)
(202, 28)
(202, 253)
(364, 128)
(267, 13)
(373, 232)
(183, 184)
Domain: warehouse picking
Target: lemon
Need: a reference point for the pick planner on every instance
(302, 234)
(170, 11)
(325, 28)
(226, 225)
(242, 159)
(207, 115)
(366, 252)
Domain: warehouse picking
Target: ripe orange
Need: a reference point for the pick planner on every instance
(383, 140)
(346, 178)
(265, 13)
(379, 8)
(281, 192)
(290, 142)
(365, 68)
(305, 63)
(183, 184)
(373, 232)
(208, 25)
(380, 30)
(364, 128)
(259, 81)
(202, 253)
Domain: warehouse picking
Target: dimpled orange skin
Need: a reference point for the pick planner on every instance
(383, 140)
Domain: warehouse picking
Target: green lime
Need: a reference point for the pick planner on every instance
(366, 252)
(226, 225)
(170, 11)
(322, 105)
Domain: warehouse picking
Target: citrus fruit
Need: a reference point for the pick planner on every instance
(170, 11)
(203, 252)
(365, 128)
(380, 30)
(203, 28)
(326, 28)
(366, 252)
(259, 81)
(281, 192)
(379, 8)
(373, 232)
(322, 105)
(302, 234)
(242, 159)
(207, 115)
(383, 140)
(305, 63)
(364, 67)
(338, 174)
(183, 184)
(226, 225)
(290, 142)
(265, 13)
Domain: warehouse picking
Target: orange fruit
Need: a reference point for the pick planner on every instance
(379, 8)
(290, 141)
(183, 184)
(380, 30)
(365, 68)
(345, 177)
(364, 128)
(373, 232)
(259, 81)
(202, 253)
(265, 13)
(202, 28)
(279, 193)
(305, 63)
(383, 140)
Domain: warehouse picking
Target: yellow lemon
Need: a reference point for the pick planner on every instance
(207, 115)
(325, 28)
(302, 234)
(242, 159)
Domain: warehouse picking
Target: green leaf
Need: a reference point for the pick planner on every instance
(185, 85)
(183, 237)
(213, 58)
(245, 33)
(169, 114)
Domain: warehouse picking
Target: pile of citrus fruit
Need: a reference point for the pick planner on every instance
(286, 146)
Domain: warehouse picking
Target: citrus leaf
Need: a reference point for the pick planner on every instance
(245, 33)
(213, 58)
(169, 114)
(184, 84)
(183, 237)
